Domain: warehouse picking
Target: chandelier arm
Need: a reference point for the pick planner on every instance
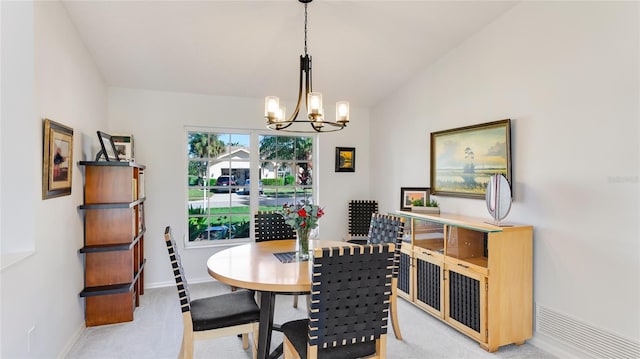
(294, 115)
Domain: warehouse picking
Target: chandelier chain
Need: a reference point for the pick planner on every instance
(305, 29)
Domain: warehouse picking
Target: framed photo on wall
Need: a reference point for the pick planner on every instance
(413, 196)
(345, 159)
(57, 159)
(464, 159)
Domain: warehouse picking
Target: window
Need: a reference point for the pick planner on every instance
(221, 196)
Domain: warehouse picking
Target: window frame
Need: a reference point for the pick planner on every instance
(254, 169)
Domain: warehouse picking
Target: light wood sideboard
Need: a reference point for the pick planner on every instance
(475, 276)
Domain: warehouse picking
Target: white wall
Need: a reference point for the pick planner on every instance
(42, 291)
(567, 74)
(17, 102)
(157, 121)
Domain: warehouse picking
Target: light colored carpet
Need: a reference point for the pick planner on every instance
(156, 332)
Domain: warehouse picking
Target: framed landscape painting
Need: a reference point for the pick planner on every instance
(463, 159)
(57, 159)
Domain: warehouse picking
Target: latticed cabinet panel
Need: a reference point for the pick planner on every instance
(466, 305)
(405, 274)
(429, 293)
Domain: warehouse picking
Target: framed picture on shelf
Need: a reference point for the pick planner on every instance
(57, 159)
(464, 159)
(413, 196)
(124, 146)
(345, 159)
(108, 148)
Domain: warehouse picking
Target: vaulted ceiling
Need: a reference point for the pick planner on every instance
(361, 50)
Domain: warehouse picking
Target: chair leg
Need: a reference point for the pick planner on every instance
(181, 355)
(245, 341)
(295, 301)
(289, 351)
(186, 349)
(393, 310)
(255, 341)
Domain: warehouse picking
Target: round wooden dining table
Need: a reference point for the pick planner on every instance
(263, 267)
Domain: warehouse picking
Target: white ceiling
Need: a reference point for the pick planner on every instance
(361, 50)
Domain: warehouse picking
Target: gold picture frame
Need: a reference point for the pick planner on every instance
(464, 159)
(57, 159)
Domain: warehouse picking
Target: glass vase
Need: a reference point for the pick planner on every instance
(302, 243)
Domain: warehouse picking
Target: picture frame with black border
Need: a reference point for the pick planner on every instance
(108, 148)
(410, 194)
(345, 159)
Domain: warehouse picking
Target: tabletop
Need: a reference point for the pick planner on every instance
(254, 266)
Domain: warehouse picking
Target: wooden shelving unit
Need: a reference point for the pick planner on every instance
(113, 241)
(475, 276)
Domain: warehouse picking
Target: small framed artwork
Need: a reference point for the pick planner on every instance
(345, 159)
(414, 196)
(57, 159)
(108, 148)
(124, 146)
(464, 159)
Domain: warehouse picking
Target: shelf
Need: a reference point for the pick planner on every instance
(112, 247)
(112, 205)
(435, 245)
(112, 289)
(111, 163)
(476, 224)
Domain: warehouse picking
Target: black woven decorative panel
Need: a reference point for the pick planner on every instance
(404, 273)
(360, 216)
(464, 300)
(428, 286)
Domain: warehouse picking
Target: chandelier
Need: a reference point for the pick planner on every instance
(276, 115)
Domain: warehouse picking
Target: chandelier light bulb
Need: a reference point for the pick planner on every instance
(315, 103)
(342, 111)
(282, 114)
(271, 107)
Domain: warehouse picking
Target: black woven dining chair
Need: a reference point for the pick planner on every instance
(270, 226)
(386, 228)
(348, 311)
(234, 313)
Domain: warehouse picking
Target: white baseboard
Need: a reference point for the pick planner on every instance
(64, 353)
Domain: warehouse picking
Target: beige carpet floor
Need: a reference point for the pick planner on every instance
(157, 330)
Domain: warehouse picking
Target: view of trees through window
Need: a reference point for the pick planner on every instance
(221, 184)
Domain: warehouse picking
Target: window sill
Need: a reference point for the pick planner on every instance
(9, 259)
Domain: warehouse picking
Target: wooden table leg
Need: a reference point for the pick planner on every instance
(267, 303)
